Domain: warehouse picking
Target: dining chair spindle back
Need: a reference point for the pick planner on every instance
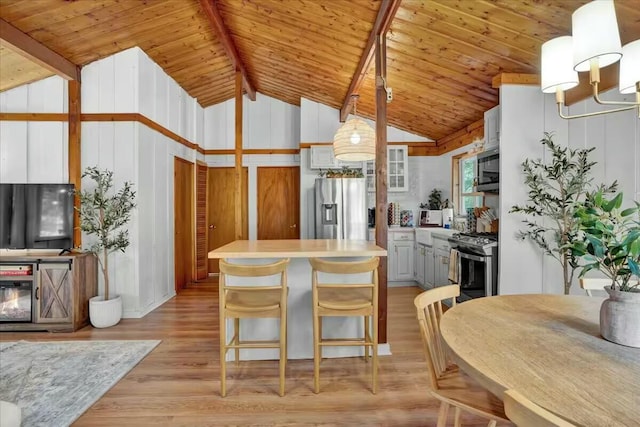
(447, 383)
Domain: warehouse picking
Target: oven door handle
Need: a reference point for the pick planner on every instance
(471, 257)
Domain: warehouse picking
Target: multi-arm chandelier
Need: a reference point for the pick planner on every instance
(355, 140)
(595, 44)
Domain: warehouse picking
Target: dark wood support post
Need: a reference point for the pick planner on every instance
(381, 180)
(75, 164)
(238, 159)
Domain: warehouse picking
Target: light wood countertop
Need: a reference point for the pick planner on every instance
(549, 348)
(297, 249)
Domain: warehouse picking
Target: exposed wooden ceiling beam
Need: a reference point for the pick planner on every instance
(215, 19)
(35, 51)
(515, 79)
(387, 11)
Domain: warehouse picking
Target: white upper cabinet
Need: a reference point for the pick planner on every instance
(321, 157)
(492, 128)
(398, 168)
(370, 173)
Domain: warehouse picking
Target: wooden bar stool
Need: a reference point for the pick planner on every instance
(358, 299)
(251, 302)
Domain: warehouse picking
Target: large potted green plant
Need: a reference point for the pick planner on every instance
(103, 214)
(609, 241)
(555, 189)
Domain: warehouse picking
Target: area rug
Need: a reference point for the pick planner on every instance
(55, 382)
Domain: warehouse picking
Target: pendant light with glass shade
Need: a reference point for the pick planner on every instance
(355, 140)
(595, 44)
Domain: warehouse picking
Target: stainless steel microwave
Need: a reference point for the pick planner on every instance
(488, 171)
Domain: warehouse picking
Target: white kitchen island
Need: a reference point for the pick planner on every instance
(299, 318)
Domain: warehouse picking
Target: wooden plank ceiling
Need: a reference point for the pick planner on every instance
(442, 54)
(16, 70)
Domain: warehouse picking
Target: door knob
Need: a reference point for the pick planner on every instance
(212, 227)
(293, 226)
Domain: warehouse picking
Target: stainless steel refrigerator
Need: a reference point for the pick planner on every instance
(341, 208)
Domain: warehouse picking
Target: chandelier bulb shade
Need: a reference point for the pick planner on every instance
(594, 44)
(595, 35)
(630, 67)
(355, 141)
(557, 65)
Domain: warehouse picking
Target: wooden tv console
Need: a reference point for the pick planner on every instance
(61, 287)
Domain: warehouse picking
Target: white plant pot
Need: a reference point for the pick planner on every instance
(620, 317)
(104, 314)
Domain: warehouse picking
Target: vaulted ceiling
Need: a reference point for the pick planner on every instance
(441, 54)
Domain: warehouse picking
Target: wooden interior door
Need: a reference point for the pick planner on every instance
(220, 211)
(184, 219)
(201, 222)
(278, 202)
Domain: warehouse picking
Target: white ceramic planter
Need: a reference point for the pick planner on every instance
(104, 314)
(620, 317)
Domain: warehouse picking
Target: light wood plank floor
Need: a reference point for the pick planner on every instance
(178, 383)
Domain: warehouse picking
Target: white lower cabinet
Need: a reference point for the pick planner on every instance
(418, 263)
(429, 267)
(401, 255)
(424, 272)
(441, 268)
(441, 250)
(401, 261)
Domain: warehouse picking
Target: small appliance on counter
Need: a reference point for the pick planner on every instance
(447, 218)
(430, 218)
(406, 218)
(393, 214)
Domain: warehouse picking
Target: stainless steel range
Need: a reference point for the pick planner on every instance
(477, 264)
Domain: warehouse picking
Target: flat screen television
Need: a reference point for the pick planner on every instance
(36, 216)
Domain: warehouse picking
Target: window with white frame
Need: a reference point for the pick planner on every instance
(467, 176)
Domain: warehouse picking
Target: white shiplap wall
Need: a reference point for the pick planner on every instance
(267, 123)
(526, 114)
(34, 152)
(130, 82)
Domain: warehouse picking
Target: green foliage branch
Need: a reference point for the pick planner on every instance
(103, 213)
(345, 172)
(555, 191)
(609, 239)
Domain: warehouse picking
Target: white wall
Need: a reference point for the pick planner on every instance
(267, 124)
(131, 82)
(34, 152)
(128, 82)
(526, 114)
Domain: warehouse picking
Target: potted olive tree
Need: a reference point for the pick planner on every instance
(555, 188)
(609, 241)
(103, 214)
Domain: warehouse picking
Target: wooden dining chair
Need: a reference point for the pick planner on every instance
(251, 302)
(595, 284)
(524, 413)
(345, 300)
(447, 383)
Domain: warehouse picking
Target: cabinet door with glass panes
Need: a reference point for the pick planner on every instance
(370, 175)
(398, 168)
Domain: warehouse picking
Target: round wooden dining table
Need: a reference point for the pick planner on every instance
(549, 348)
